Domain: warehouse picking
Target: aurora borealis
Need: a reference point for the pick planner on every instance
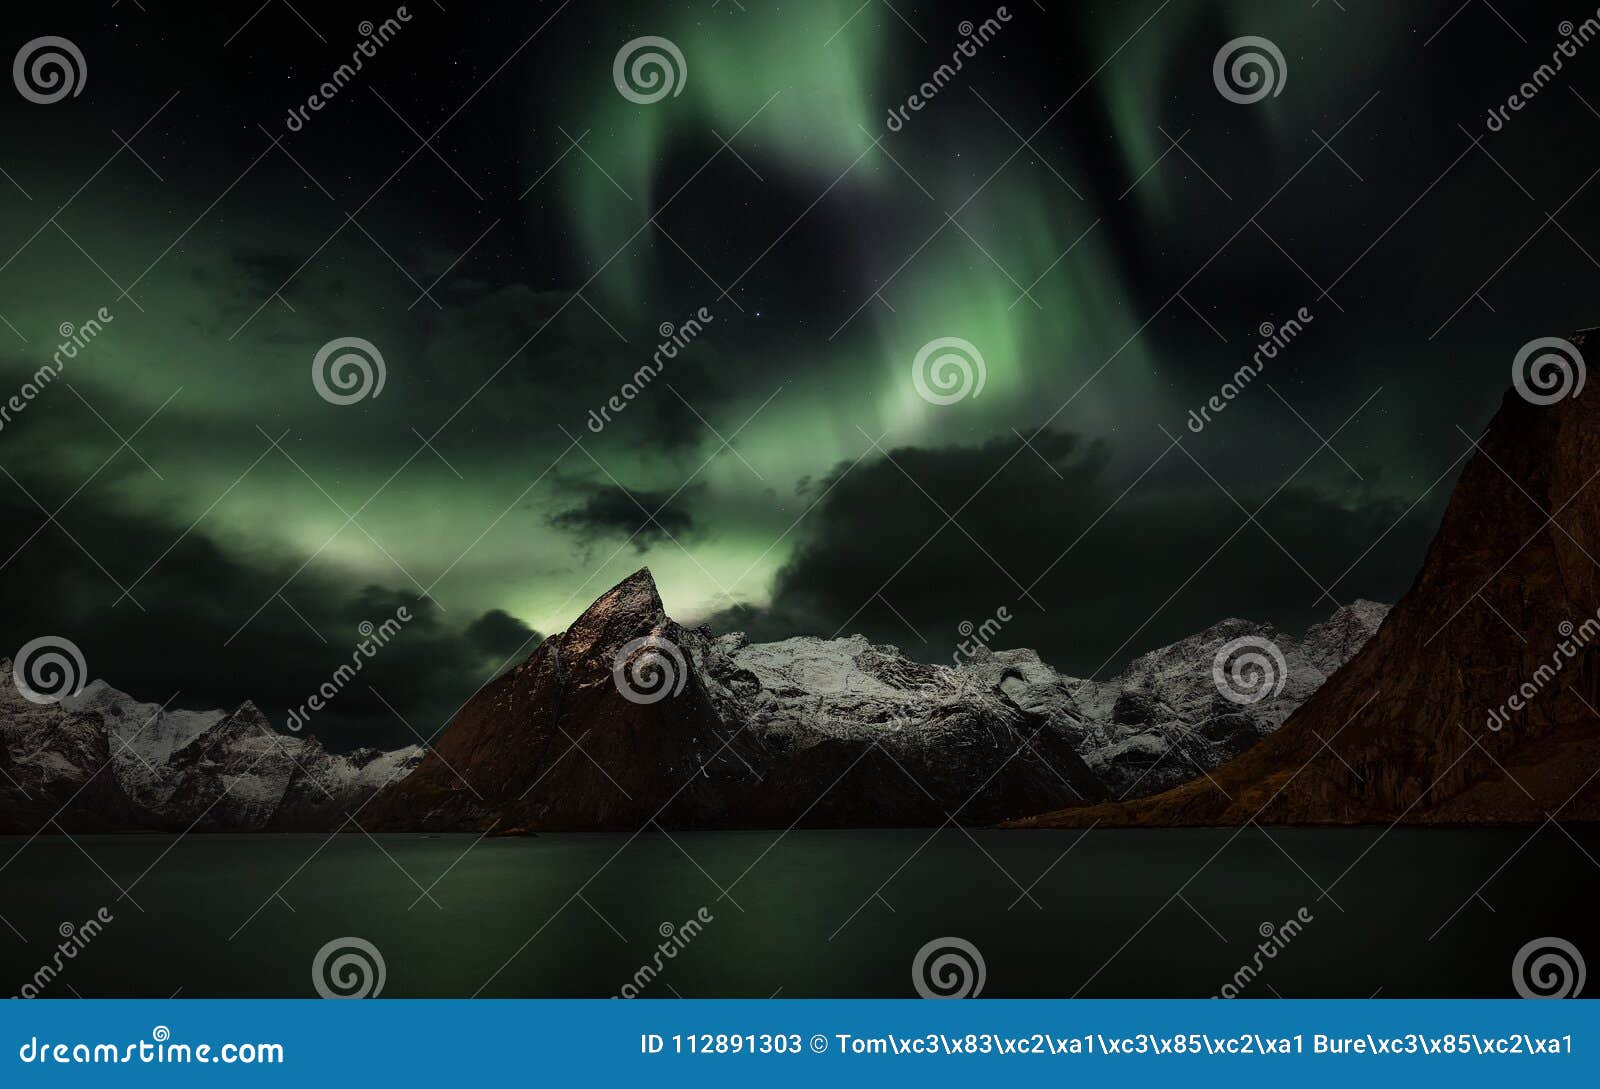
(518, 269)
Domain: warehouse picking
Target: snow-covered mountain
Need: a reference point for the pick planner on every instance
(1165, 719)
(1162, 721)
(628, 718)
(832, 731)
(105, 760)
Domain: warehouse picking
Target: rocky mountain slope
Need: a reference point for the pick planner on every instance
(55, 773)
(101, 760)
(825, 732)
(1476, 701)
(1164, 718)
(629, 717)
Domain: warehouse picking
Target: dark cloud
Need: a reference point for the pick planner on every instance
(648, 517)
(212, 628)
(1087, 578)
(498, 634)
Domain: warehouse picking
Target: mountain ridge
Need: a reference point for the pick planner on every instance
(839, 732)
(1476, 700)
(819, 732)
(101, 760)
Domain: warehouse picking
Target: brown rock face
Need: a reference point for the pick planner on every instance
(1475, 701)
(692, 731)
(555, 743)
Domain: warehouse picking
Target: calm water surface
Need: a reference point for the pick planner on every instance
(1110, 913)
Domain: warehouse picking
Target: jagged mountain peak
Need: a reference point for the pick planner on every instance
(629, 610)
(111, 761)
(722, 732)
(826, 731)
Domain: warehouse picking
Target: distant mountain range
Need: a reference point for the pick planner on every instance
(103, 761)
(819, 732)
(628, 718)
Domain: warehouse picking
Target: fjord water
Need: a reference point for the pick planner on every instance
(1402, 912)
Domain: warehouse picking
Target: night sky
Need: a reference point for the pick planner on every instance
(781, 475)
